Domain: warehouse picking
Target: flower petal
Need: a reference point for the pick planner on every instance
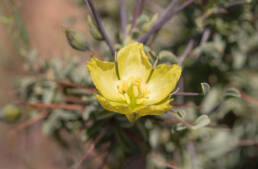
(162, 81)
(155, 109)
(132, 61)
(104, 76)
(113, 106)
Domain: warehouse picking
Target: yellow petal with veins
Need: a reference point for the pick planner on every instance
(155, 109)
(133, 62)
(104, 76)
(162, 81)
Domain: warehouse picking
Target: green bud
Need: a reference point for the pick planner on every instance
(10, 113)
(142, 20)
(147, 26)
(94, 31)
(77, 40)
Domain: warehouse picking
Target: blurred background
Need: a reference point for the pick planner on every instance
(41, 22)
(226, 59)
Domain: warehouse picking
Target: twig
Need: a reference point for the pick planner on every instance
(28, 123)
(139, 141)
(249, 98)
(163, 162)
(100, 25)
(123, 18)
(102, 165)
(188, 49)
(76, 86)
(138, 8)
(91, 148)
(55, 106)
(164, 18)
(234, 3)
(205, 37)
(185, 105)
(187, 124)
(180, 98)
(192, 152)
(187, 94)
(248, 143)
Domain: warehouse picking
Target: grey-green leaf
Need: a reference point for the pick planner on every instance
(232, 92)
(77, 40)
(200, 122)
(205, 88)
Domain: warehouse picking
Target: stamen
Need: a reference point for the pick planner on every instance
(133, 91)
(127, 99)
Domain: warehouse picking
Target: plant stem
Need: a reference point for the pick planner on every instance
(100, 25)
(187, 94)
(188, 49)
(123, 18)
(138, 8)
(164, 18)
(205, 37)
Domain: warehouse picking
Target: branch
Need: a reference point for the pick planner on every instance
(74, 85)
(188, 94)
(248, 143)
(123, 17)
(91, 148)
(168, 165)
(205, 37)
(138, 8)
(28, 123)
(249, 98)
(236, 2)
(55, 106)
(100, 25)
(164, 18)
(188, 49)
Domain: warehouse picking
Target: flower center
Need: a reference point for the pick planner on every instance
(133, 91)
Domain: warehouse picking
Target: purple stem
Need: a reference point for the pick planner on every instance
(187, 94)
(205, 37)
(186, 52)
(100, 25)
(165, 17)
(123, 17)
(138, 8)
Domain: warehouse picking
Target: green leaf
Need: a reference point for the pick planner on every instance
(200, 122)
(205, 88)
(180, 127)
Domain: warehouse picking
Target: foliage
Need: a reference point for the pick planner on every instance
(213, 126)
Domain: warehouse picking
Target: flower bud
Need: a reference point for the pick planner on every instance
(10, 113)
(94, 31)
(77, 40)
(148, 25)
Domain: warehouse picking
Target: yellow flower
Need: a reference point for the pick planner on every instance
(133, 87)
